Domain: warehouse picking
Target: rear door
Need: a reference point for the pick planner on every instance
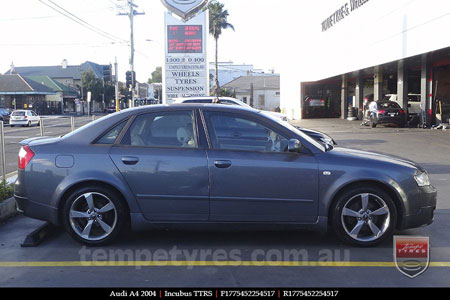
(163, 165)
(253, 178)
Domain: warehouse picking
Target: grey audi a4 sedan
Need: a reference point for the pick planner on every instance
(214, 164)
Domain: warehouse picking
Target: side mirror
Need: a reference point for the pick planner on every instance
(294, 146)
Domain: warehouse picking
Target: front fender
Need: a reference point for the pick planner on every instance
(330, 186)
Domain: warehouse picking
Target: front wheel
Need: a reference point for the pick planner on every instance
(364, 216)
(94, 216)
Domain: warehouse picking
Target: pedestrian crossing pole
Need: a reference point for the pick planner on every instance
(2, 125)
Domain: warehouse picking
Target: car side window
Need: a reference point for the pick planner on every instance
(163, 129)
(231, 132)
(111, 136)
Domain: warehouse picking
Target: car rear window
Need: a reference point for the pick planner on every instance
(389, 105)
(111, 136)
(18, 113)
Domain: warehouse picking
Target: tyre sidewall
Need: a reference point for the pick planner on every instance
(342, 200)
(121, 215)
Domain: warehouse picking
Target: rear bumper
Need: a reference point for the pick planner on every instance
(37, 210)
(391, 120)
(18, 122)
(425, 214)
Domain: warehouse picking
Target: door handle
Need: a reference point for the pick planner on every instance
(128, 160)
(222, 164)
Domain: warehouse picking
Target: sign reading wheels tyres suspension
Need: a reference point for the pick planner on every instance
(186, 67)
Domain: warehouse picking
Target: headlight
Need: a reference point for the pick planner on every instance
(422, 179)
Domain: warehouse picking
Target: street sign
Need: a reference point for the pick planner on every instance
(184, 8)
(89, 95)
(185, 71)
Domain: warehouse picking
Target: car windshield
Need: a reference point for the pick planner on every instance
(18, 113)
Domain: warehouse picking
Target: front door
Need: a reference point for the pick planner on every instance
(161, 162)
(253, 179)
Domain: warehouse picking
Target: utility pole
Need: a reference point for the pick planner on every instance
(116, 81)
(132, 12)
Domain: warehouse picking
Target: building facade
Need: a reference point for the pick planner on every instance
(260, 92)
(357, 49)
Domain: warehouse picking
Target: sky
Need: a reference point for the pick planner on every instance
(33, 34)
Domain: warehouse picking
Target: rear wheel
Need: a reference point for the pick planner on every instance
(29, 124)
(364, 216)
(94, 216)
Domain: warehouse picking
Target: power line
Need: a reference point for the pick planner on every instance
(81, 22)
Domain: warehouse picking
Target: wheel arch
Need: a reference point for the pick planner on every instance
(81, 184)
(398, 202)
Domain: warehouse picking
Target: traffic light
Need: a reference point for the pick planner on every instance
(107, 73)
(131, 79)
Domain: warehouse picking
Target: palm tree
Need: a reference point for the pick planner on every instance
(218, 21)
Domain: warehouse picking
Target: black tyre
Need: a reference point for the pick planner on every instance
(94, 216)
(364, 216)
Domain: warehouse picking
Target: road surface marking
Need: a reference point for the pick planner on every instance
(206, 264)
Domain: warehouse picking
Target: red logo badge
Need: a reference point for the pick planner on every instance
(411, 255)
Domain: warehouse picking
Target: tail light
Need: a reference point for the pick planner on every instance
(323, 100)
(381, 111)
(25, 156)
(402, 112)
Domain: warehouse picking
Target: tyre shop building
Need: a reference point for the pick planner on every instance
(349, 50)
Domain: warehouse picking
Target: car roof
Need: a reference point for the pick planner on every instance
(205, 98)
(176, 106)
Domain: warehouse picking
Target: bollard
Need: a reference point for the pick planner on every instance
(72, 123)
(2, 125)
(41, 125)
(93, 118)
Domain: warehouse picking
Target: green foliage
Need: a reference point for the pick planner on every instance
(156, 76)
(6, 191)
(218, 18)
(218, 21)
(92, 84)
(225, 93)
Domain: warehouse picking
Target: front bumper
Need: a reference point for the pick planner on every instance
(424, 215)
(37, 210)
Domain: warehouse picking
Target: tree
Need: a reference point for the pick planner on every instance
(156, 76)
(92, 84)
(218, 21)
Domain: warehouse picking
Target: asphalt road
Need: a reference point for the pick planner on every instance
(244, 257)
(53, 126)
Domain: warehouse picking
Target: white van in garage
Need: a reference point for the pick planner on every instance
(413, 102)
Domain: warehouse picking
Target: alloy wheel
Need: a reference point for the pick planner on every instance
(93, 216)
(365, 217)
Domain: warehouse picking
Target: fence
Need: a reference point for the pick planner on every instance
(48, 127)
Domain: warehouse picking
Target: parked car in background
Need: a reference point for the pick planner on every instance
(227, 101)
(319, 136)
(24, 118)
(110, 110)
(5, 115)
(215, 164)
(413, 103)
(385, 112)
(315, 106)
